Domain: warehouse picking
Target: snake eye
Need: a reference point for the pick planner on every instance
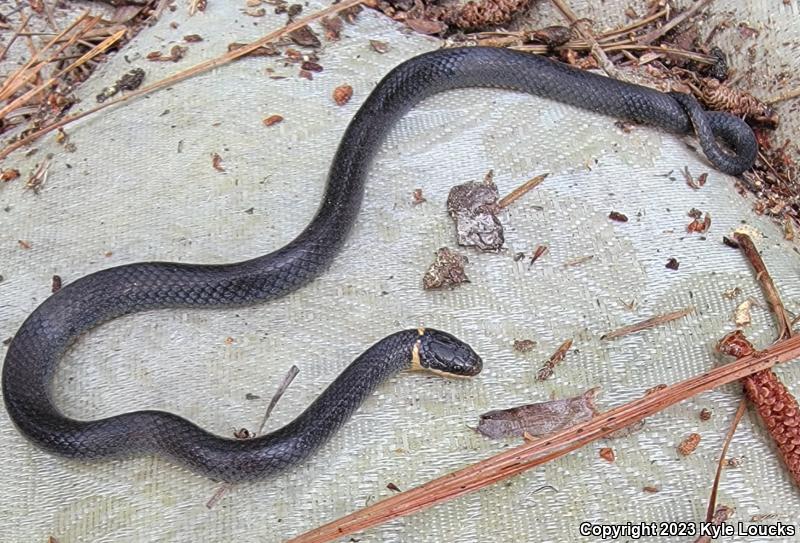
(443, 352)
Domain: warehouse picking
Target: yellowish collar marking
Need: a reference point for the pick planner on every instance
(416, 364)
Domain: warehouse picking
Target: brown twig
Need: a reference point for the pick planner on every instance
(767, 285)
(184, 74)
(529, 455)
(521, 190)
(20, 29)
(712, 501)
(96, 50)
(287, 380)
(785, 95)
(649, 323)
(30, 68)
(586, 33)
(658, 32)
(555, 359)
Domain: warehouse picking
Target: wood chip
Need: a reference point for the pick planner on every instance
(607, 454)
(342, 94)
(688, 445)
(272, 120)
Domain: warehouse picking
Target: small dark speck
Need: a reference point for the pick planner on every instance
(7, 209)
(249, 396)
(165, 112)
(250, 210)
(1, 278)
(7, 340)
(383, 292)
(69, 166)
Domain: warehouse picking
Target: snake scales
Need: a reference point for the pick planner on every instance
(106, 294)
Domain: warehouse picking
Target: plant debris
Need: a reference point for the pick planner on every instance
(697, 225)
(342, 94)
(216, 162)
(648, 323)
(538, 419)
(417, 197)
(518, 192)
(130, 81)
(538, 253)
(547, 369)
(272, 120)
(741, 315)
(379, 46)
(446, 271)
(689, 444)
(672, 264)
(56, 283)
(176, 53)
(305, 37)
(705, 414)
(691, 181)
(9, 175)
(473, 207)
(607, 454)
(617, 216)
(524, 345)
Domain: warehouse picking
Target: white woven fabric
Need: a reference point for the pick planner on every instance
(141, 187)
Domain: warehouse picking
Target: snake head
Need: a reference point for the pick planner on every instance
(444, 353)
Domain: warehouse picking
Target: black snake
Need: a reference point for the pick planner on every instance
(35, 350)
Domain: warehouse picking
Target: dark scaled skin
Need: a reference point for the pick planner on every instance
(36, 348)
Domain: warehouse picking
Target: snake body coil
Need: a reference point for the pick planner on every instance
(106, 294)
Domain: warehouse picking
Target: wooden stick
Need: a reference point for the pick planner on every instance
(529, 455)
(767, 285)
(712, 501)
(649, 323)
(17, 33)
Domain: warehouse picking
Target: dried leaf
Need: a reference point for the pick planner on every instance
(305, 37)
(379, 46)
(672, 264)
(538, 419)
(426, 26)
(333, 27)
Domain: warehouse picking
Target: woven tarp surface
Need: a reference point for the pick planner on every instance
(140, 186)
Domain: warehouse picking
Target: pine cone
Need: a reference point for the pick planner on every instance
(780, 413)
(720, 97)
